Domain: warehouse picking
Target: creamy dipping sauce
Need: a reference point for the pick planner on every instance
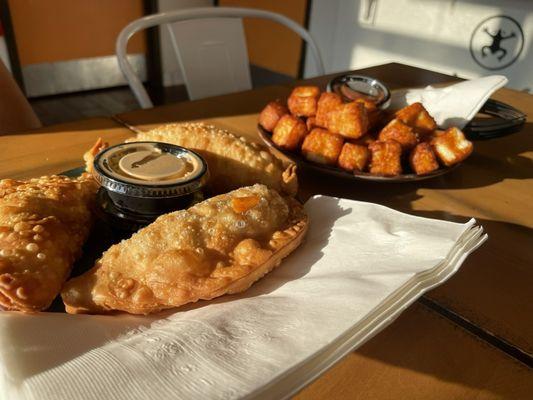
(147, 164)
(142, 180)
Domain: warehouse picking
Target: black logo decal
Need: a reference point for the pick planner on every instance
(497, 42)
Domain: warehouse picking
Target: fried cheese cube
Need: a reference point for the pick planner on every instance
(311, 123)
(354, 157)
(374, 114)
(423, 159)
(326, 103)
(289, 132)
(385, 158)
(271, 114)
(452, 147)
(322, 147)
(349, 120)
(364, 140)
(403, 134)
(417, 117)
(303, 101)
(432, 135)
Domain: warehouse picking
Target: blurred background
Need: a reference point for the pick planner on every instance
(62, 52)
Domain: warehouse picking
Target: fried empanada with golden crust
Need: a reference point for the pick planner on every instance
(222, 245)
(233, 161)
(43, 225)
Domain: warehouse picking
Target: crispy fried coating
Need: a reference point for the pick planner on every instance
(271, 114)
(367, 103)
(43, 225)
(432, 135)
(375, 115)
(233, 161)
(403, 134)
(349, 120)
(354, 157)
(89, 155)
(417, 117)
(327, 102)
(452, 147)
(310, 123)
(289, 132)
(322, 146)
(385, 158)
(364, 140)
(303, 101)
(222, 245)
(422, 159)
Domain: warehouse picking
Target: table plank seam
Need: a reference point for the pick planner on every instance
(483, 334)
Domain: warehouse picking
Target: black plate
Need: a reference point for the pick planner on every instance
(365, 176)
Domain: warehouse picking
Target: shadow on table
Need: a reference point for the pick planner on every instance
(431, 349)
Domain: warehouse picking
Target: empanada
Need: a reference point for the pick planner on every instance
(43, 224)
(222, 245)
(233, 161)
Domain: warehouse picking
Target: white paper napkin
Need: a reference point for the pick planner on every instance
(360, 266)
(453, 105)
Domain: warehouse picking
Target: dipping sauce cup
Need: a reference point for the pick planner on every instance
(142, 180)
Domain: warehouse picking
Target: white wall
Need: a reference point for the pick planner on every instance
(171, 70)
(433, 34)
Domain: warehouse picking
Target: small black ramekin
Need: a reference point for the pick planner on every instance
(129, 203)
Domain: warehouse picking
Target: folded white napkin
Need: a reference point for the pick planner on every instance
(360, 266)
(453, 105)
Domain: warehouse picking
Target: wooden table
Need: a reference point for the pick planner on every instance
(470, 338)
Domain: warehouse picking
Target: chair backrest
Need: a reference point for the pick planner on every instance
(224, 51)
(212, 55)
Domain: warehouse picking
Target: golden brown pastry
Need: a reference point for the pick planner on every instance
(233, 161)
(43, 224)
(222, 245)
(89, 155)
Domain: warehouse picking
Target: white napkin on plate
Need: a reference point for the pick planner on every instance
(360, 266)
(453, 105)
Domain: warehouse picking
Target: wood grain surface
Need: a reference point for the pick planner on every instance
(424, 354)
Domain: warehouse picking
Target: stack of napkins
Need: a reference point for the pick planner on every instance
(361, 265)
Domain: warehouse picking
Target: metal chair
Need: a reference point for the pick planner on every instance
(192, 74)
